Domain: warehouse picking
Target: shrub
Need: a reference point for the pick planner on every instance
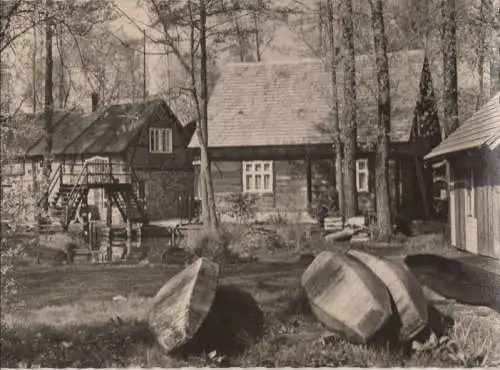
(241, 206)
(210, 243)
(256, 240)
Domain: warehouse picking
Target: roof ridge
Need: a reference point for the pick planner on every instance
(275, 62)
(316, 60)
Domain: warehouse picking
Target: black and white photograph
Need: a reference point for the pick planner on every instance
(250, 183)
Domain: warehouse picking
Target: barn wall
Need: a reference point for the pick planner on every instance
(488, 205)
(459, 190)
(290, 184)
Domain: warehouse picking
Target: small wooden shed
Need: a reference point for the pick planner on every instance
(473, 154)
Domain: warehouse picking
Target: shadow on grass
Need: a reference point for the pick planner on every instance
(109, 345)
(234, 323)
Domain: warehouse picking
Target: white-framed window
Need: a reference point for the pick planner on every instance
(362, 175)
(160, 140)
(470, 192)
(258, 177)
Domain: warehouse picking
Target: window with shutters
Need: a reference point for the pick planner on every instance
(160, 140)
(362, 175)
(258, 177)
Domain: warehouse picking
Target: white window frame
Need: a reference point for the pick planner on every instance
(257, 177)
(360, 187)
(471, 201)
(153, 131)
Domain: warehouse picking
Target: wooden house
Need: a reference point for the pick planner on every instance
(124, 161)
(473, 155)
(269, 133)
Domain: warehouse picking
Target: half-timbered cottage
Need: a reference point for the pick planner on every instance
(269, 134)
(473, 155)
(124, 161)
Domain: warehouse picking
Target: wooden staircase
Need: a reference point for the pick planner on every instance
(65, 203)
(126, 195)
(65, 197)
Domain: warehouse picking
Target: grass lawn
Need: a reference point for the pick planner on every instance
(67, 318)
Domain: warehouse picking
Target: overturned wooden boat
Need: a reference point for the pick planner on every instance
(182, 304)
(346, 296)
(405, 289)
(459, 278)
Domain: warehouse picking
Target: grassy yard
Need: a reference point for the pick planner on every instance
(67, 317)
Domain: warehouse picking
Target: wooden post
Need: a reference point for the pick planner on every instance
(190, 215)
(85, 215)
(397, 180)
(128, 227)
(423, 188)
(309, 180)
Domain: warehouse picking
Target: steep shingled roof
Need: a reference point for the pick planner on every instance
(287, 103)
(107, 130)
(482, 128)
(24, 131)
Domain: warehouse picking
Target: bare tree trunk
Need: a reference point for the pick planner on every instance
(350, 116)
(485, 10)
(257, 36)
(384, 222)
(205, 159)
(449, 40)
(48, 111)
(339, 178)
(61, 89)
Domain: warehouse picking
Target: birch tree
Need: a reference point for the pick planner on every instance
(384, 222)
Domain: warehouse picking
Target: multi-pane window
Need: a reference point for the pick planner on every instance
(258, 177)
(160, 140)
(362, 175)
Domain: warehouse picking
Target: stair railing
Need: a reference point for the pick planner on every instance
(56, 179)
(74, 191)
(135, 187)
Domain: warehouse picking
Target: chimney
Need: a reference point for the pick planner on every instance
(95, 101)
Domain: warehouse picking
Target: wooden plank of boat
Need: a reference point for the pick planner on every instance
(346, 296)
(182, 304)
(405, 289)
(465, 282)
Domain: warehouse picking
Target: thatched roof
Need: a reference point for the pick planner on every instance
(109, 129)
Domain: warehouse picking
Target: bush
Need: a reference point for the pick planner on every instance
(210, 243)
(255, 241)
(241, 206)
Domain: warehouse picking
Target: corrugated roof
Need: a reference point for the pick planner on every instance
(287, 103)
(480, 129)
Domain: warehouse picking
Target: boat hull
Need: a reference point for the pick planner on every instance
(346, 296)
(182, 304)
(405, 289)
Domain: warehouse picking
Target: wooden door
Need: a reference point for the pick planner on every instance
(471, 239)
